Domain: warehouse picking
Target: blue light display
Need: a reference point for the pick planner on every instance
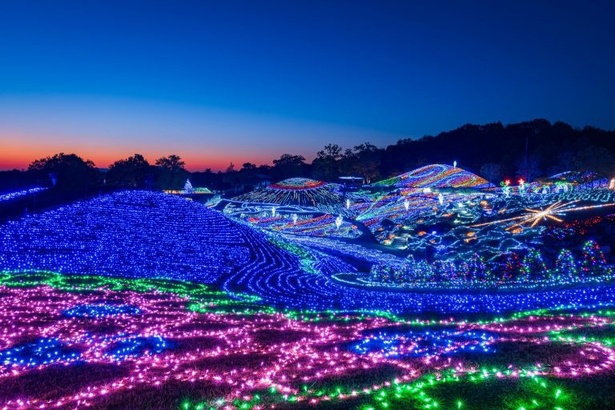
(137, 346)
(40, 352)
(424, 343)
(101, 310)
(139, 234)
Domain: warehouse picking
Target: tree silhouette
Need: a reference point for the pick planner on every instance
(491, 172)
(550, 147)
(528, 168)
(172, 174)
(248, 174)
(133, 171)
(597, 159)
(288, 166)
(363, 160)
(66, 172)
(326, 164)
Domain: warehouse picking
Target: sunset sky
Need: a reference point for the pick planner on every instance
(236, 81)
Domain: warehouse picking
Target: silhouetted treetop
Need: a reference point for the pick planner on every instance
(172, 173)
(65, 171)
(537, 148)
(529, 149)
(288, 166)
(133, 171)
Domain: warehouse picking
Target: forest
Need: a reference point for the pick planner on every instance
(530, 150)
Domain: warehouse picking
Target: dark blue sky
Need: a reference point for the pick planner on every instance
(249, 80)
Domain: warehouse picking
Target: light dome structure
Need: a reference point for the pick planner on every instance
(436, 176)
(296, 191)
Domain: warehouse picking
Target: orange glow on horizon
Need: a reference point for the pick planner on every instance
(17, 153)
(21, 160)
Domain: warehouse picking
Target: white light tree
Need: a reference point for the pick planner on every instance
(188, 187)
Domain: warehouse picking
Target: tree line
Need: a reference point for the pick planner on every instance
(495, 151)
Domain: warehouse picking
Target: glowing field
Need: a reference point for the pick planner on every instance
(146, 300)
(152, 235)
(115, 343)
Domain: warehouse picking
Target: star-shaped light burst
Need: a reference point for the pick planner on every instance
(553, 211)
(535, 215)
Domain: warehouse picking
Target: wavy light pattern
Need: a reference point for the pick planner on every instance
(436, 176)
(146, 235)
(296, 191)
(229, 353)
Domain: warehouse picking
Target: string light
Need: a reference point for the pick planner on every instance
(144, 234)
(438, 176)
(296, 191)
(268, 319)
(158, 337)
(25, 192)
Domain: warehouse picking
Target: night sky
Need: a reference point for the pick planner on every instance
(221, 81)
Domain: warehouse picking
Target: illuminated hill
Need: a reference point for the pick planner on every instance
(436, 176)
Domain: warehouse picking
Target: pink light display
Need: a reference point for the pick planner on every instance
(149, 338)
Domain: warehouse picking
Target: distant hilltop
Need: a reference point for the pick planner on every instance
(496, 151)
(528, 150)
